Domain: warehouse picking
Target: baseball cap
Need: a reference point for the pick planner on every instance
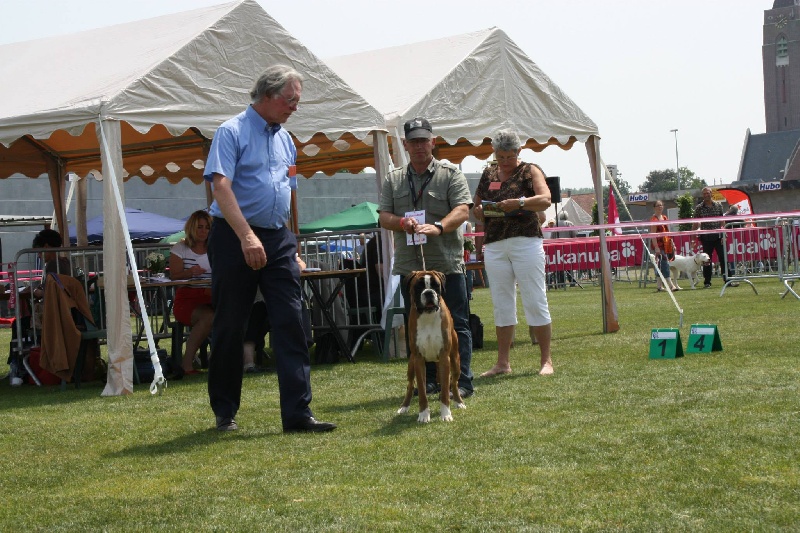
(418, 128)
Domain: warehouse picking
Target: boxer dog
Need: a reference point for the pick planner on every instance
(688, 265)
(432, 338)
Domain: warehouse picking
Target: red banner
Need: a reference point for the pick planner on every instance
(743, 244)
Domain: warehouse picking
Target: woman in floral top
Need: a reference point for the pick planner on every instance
(507, 200)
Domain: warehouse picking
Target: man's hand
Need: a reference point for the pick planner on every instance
(253, 251)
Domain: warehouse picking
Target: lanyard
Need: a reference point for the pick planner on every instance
(414, 196)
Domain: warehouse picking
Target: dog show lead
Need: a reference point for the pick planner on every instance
(425, 204)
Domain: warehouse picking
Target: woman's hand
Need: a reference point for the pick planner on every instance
(197, 270)
(509, 205)
(478, 211)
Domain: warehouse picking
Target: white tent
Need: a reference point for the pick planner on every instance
(469, 86)
(575, 213)
(144, 99)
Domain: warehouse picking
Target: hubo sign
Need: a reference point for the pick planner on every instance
(638, 197)
(769, 186)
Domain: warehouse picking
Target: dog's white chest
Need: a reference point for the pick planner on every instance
(430, 340)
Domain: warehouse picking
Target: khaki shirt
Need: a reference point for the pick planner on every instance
(446, 190)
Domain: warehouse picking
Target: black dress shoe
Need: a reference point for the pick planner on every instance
(226, 424)
(309, 424)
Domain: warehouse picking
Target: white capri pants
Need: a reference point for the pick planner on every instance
(511, 261)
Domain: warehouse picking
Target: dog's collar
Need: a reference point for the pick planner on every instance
(433, 309)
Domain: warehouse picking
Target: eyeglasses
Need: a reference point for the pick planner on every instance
(293, 101)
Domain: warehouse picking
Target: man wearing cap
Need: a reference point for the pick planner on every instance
(440, 191)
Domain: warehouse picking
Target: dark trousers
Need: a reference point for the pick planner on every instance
(233, 290)
(455, 288)
(711, 244)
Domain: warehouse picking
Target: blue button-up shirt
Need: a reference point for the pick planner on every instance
(256, 157)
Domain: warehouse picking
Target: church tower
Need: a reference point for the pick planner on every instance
(781, 59)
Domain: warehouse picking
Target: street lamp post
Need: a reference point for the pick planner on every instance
(677, 164)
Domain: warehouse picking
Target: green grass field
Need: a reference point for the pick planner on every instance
(613, 441)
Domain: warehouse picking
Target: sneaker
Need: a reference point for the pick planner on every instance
(464, 392)
(431, 387)
(707, 286)
(733, 284)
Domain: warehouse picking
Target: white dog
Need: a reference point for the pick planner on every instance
(689, 265)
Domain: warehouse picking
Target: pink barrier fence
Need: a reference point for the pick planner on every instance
(742, 244)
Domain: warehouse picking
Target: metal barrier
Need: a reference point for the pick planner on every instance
(357, 308)
(766, 250)
(85, 263)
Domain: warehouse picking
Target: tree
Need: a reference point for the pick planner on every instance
(685, 210)
(664, 180)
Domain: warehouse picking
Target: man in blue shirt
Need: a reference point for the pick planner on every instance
(252, 167)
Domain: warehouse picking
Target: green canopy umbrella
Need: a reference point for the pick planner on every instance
(175, 237)
(361, 216)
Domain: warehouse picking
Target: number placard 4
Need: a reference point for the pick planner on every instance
(703, 338)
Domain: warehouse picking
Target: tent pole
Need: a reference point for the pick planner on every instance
(610, 315)
(115, 273)
(55, 172)
(80, 211)
(209, 192)
(383, 163)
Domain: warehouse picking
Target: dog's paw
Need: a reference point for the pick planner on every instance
(424, 416)
(461, 405)
(446, 415)
(403, 410)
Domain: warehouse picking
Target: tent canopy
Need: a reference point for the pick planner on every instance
(145, 98)
(468, 86)
(170, 81)
(141, 226)
(361, 216)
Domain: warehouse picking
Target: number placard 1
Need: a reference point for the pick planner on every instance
(665, 344)
(704, 338)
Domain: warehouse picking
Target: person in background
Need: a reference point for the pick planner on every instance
(188, 260)
(663, 247)
(440, 190)
(514, 249)
(30, 299)
(711, 242)
(251, 165)
(466, 228)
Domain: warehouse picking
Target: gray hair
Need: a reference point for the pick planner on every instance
(273, 80)
(563, 216)
(505, 141)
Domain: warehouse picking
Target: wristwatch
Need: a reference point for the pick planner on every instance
(439, 227)
(521, 202)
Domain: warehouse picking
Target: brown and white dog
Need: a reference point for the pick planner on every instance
(689, 265)
(432, 338)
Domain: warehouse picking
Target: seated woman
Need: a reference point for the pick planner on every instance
(188, 260)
